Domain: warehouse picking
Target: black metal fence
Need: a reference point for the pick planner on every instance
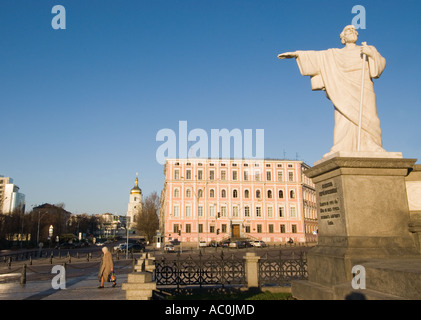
(281, 269)
(200, 270)
(221, 270)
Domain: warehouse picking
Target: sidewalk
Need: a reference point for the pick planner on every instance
(77, 288)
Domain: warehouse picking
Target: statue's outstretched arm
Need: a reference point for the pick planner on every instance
(288, 55)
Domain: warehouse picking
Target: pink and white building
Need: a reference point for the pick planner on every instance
(217, 199)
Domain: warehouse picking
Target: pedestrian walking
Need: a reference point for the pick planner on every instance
(106, 268)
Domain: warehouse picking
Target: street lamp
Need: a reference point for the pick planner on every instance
(39, 219)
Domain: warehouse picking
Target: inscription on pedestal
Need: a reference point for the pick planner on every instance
(329, 204)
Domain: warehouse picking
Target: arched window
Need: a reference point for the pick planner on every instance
(188, 193)
(235, 193)
(200, 193)
(258, 194)
(176, 193)
(212, 193)
(269, 194)
(281, 194)
(292, 194)
(246, 194)
(223, 193)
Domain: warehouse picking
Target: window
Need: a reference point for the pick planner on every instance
(259, 228)
(211, 211)
(224, 193)
(176, 211)
(280, 176)
(281, 194)
(268, 176)
(258, 194)
(258, 211)
(188, 193)
(292, 194)
(224, 228)
(293, 212)
(294, 228)
(188, 211)
(235, 193)
(200, 175)
(282, 228)
(246, 175)
(246, 194)
(188, 174)
(212, 175)
(223, 174)
(270, 212)
(176, 228)
(223, 211)
(270, 194)
(247, 229)
(247, 211)
(200, 228)
(188, 228)
(212, 229)
(234, 174)
(291, 176)
(176, 193)
(212, 193)
(271, 228)
(176, 174)
(235, 211)
(281, 212)
(200, 211)
(257, 175)
(200, 193)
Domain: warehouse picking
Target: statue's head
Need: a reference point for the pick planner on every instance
(349, 35)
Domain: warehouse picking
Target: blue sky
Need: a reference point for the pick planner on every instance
(80, 108)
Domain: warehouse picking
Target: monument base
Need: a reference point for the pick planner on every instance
(363, 220)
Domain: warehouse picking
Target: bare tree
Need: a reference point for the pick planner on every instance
(147, 221)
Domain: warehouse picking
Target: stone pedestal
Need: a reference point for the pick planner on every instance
(140, 285)
(363, 219)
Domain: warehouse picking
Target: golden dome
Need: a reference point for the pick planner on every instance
(136, 189)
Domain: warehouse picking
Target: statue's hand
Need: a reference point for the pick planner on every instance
(366, 50)
(288, 55)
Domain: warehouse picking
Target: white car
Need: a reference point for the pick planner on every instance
(258, 243)
(169, 248)
(203, 244)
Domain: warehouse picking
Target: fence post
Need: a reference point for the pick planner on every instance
(252, 269)
(23, 276)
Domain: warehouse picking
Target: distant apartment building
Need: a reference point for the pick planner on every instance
(216, 199)
(10, 198)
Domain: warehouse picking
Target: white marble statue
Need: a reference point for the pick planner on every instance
(339, 73)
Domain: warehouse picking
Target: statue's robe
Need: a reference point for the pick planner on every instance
(339, 73)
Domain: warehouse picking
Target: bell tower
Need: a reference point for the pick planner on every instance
(135, 203)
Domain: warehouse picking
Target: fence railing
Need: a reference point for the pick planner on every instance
(221, 270)
(200, 270)
(281, 270)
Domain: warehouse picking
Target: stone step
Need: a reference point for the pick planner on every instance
(398, 277)
(139, 277)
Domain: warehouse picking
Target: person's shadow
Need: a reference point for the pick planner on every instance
(355, 296)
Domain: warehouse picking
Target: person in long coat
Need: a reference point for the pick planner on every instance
(107, 266)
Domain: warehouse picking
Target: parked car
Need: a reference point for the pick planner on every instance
(203, 244)
(66, 245)
(259, 243)
(247, 244)
(137, 247)
(169, 248)
(225, 243)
